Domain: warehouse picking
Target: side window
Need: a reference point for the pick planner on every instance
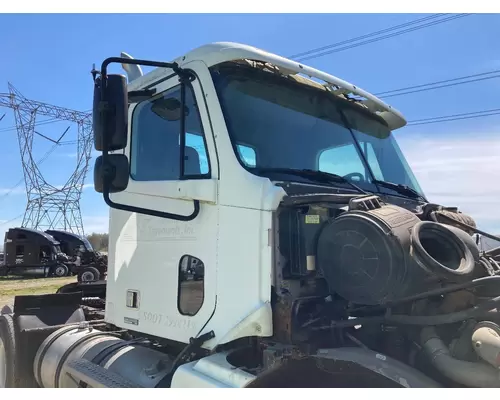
(247, 155)
(19, 250)
(341, 160)
(372, 158)
(191, 289)
(155, 142)
(345, 160)
(197, 143)
(44, 251)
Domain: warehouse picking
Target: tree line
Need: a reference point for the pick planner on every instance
(99, 241)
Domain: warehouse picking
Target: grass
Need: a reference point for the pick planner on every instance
(15, 286)
(30, 290)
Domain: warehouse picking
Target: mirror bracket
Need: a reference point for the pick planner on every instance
(108, 171)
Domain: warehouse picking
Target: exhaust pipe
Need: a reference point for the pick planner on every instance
(133, 71)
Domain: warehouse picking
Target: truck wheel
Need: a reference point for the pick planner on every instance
(61, 270)
(89, 274)
(7, 309)
(7, 352)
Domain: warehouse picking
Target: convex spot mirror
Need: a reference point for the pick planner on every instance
(110, 113)
(115, 171)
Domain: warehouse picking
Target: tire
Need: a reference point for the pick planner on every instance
(89, 274)
(8, 378)
(7, 309)
(60, 271)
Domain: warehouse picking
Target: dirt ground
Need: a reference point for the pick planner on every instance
(14, 286)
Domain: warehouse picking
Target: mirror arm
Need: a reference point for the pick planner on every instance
(120, 60)
(108, 177)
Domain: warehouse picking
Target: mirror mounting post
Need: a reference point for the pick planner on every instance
(184, 77)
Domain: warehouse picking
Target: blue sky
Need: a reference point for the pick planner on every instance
(49, 57)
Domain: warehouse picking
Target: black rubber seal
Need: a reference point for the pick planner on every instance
(466, 267)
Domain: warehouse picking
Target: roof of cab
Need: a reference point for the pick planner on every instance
(34, 232)
(217, 53)
(57, 234)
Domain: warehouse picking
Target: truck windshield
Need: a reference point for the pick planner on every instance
(276, 122)
(86, 243)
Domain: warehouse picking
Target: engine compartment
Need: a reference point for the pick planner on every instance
(372, 293)
(409, 283)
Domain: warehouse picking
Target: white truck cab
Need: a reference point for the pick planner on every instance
(241, 116)
(265, 231)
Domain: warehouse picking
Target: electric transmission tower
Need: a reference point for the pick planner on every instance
(48, 206)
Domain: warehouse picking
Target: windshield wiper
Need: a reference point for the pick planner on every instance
(318, 176)
(401, 189)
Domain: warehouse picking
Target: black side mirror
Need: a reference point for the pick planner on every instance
(115, 171)
(110, 118)
(110, 113)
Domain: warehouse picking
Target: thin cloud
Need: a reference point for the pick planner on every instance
(95, 224)
(11, 191)
(459, 171)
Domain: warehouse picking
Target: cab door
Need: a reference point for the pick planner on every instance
(154, 289)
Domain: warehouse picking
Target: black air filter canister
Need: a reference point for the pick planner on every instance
(375, 256)
(364, 255)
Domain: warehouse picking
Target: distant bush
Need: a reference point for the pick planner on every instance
(99, 241)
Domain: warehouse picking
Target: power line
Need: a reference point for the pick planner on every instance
(454, 117)
(335, 47)
(44, 122)
(21, 181)
(439, 84)
(368, 35)
(11, 220)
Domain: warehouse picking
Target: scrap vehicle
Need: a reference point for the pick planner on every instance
(324, 263)
(33, 253)
(86, 263)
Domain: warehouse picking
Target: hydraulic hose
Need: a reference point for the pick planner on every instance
(433, 293)
(470, 374)
(481, 309)
(472, 228)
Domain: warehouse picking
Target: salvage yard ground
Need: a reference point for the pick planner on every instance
(14, 286)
